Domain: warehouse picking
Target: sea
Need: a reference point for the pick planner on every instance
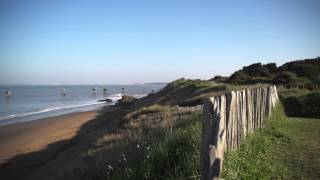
(35, 102)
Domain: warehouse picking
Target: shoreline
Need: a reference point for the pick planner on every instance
(25, 137)
(51, 114)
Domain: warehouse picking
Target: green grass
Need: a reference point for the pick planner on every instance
(286, 148)
(187, 92)
(150, 110)
(292, 92)
(173, 154)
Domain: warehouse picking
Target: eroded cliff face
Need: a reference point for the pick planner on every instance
(228, 119)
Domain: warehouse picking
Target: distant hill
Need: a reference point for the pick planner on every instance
(295, 73)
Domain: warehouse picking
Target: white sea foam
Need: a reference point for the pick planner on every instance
(113, 97)
(140, 95)
(48, 109)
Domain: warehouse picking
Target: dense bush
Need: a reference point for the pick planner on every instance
(220, 79)
(302, 104)
(309, 68)
(257, 70)
(302, 72)
(284, 77)
(272, 67)
(310, 105)
(239, 77)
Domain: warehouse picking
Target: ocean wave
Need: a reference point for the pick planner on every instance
(140, 95)
(47, 109)
(113, 97)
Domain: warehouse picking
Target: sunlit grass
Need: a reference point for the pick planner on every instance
(173, 154)
(286, 148)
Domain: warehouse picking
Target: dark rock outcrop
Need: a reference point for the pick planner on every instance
(105, 100)
(126, 100)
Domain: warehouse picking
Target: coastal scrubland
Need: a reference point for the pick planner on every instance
(158, 137)
(286, 148)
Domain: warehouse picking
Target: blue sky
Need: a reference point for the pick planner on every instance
(107, 42)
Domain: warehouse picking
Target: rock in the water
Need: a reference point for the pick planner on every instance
(126, 100)
(105, 100)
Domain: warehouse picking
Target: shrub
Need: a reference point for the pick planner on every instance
(239, 77)
(272, 67)
(300, 103)
(285, 77)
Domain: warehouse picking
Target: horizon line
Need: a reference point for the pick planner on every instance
(76, 84)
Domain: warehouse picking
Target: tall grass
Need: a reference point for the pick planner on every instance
(173, 154)
(255, 159)
(285, 148)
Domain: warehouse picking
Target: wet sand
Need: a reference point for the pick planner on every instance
(21, 138)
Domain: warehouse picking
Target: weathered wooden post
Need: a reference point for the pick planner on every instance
(227, 119)
(213, 137)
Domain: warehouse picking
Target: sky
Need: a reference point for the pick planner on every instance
(123, 42)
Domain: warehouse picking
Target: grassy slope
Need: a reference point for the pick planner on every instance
(286, 147)
(173, 154)
(187, 92)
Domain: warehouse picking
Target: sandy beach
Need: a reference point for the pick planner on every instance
(21, 138)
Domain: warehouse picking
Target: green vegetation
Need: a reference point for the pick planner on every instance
(172, 154)
(302, 73)
(220, 79)
(301, 102)
(187, 92)
(150, 110)
(152, 139)
(287, 148)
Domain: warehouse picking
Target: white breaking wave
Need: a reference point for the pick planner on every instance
(48, 109)
(113, 97)
(140, 95)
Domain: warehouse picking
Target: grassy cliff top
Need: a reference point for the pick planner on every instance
(187, 92)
